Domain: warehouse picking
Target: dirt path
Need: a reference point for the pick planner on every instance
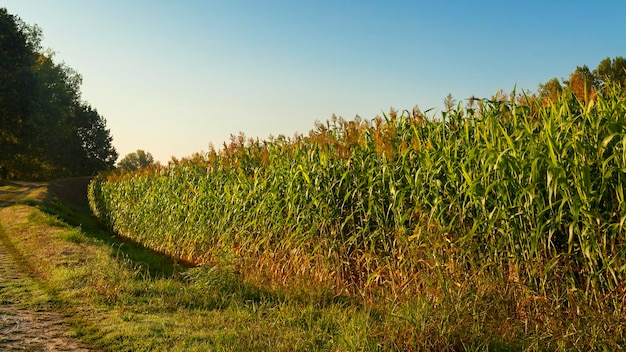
(24, 329)
(13, 191)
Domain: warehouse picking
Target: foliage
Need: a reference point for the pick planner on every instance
(611, 70)
(135, 161)
(551, 90)
(46, 130)
(584, 82)
(357, 206)
(119, 296)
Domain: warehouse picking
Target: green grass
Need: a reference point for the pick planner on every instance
(400, 234)
(503, 221)
(354, 204)
(118, 303)
(120, 296)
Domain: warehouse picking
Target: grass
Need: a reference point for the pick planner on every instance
(120, 296)
(361, 206)
(502, 221)
(12, 192)
(333, 243)
(118, 303)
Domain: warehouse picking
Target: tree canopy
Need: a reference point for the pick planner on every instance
(46, 129)
(135, 161)
(611, 70)
(585, 83)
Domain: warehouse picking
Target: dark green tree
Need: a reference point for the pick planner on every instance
(92, 143)
(135, 161)
(611, 70)
(17, 87)
(47, 130)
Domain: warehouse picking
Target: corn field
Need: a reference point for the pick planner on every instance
(517, 185)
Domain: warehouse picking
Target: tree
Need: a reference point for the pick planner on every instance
(17, 86)
(551, 90)
(46, 130)
(583, 83)
(135, 161)
(611, 70)
(93, 142)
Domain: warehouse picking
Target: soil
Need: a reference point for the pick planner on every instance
(23, 329)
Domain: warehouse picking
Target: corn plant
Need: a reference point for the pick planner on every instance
(532, 187)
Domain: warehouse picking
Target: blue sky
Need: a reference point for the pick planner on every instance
(172, 76)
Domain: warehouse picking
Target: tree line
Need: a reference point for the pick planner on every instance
(584, 82)
(46, 130)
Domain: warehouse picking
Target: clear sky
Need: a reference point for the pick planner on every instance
(172, 76)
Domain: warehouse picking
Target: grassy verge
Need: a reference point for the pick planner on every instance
(119, 296)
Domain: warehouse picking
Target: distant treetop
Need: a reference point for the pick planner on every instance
(135, 161)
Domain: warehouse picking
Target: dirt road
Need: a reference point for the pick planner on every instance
(23, 329)
(10, 192)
